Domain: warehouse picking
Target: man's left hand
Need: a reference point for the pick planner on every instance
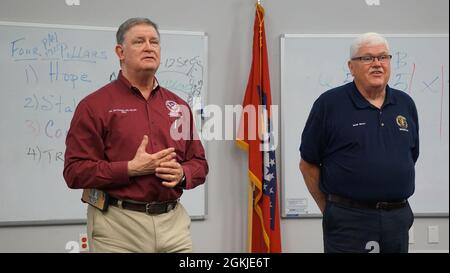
(171, 172)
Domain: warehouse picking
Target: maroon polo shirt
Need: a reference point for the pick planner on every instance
(107, 128)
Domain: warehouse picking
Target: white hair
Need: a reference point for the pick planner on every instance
(369, 38)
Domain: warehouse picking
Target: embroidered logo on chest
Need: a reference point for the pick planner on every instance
(402, 123)
(174, 108)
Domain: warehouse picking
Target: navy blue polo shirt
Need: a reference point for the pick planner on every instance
(364, 153)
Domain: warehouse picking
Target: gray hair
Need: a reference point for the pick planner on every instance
(125, 26)
(369, 38)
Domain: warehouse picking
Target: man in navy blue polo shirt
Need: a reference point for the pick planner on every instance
(358, 149)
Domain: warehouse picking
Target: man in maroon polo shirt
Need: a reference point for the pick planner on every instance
(121, 143)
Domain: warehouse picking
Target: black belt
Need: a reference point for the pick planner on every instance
(366, 205)
(149, 208)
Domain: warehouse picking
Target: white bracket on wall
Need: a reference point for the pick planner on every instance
(72, 2)
(373, 2)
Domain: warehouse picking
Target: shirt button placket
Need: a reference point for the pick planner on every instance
(381, 119)
(149, 122)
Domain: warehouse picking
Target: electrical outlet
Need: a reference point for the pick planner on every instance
(83, 243)
(433, 234)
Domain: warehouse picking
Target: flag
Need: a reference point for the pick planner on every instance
(255, 135)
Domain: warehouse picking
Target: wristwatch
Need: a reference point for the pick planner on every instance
(182, 183)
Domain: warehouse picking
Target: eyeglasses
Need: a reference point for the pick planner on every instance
(371, 59)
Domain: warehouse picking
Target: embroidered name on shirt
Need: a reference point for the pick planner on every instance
(359, 124)
(123, 111)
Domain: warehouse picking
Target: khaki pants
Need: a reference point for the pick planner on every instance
(122, 230)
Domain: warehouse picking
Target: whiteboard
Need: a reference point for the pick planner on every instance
(312, 64)
(45, 71)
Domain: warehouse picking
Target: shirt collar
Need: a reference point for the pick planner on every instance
(361, 102)
(125, 81)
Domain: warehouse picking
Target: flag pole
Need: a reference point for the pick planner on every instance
(251, 186)
(250, 202)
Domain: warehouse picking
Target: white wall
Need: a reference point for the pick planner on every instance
(229, 25)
